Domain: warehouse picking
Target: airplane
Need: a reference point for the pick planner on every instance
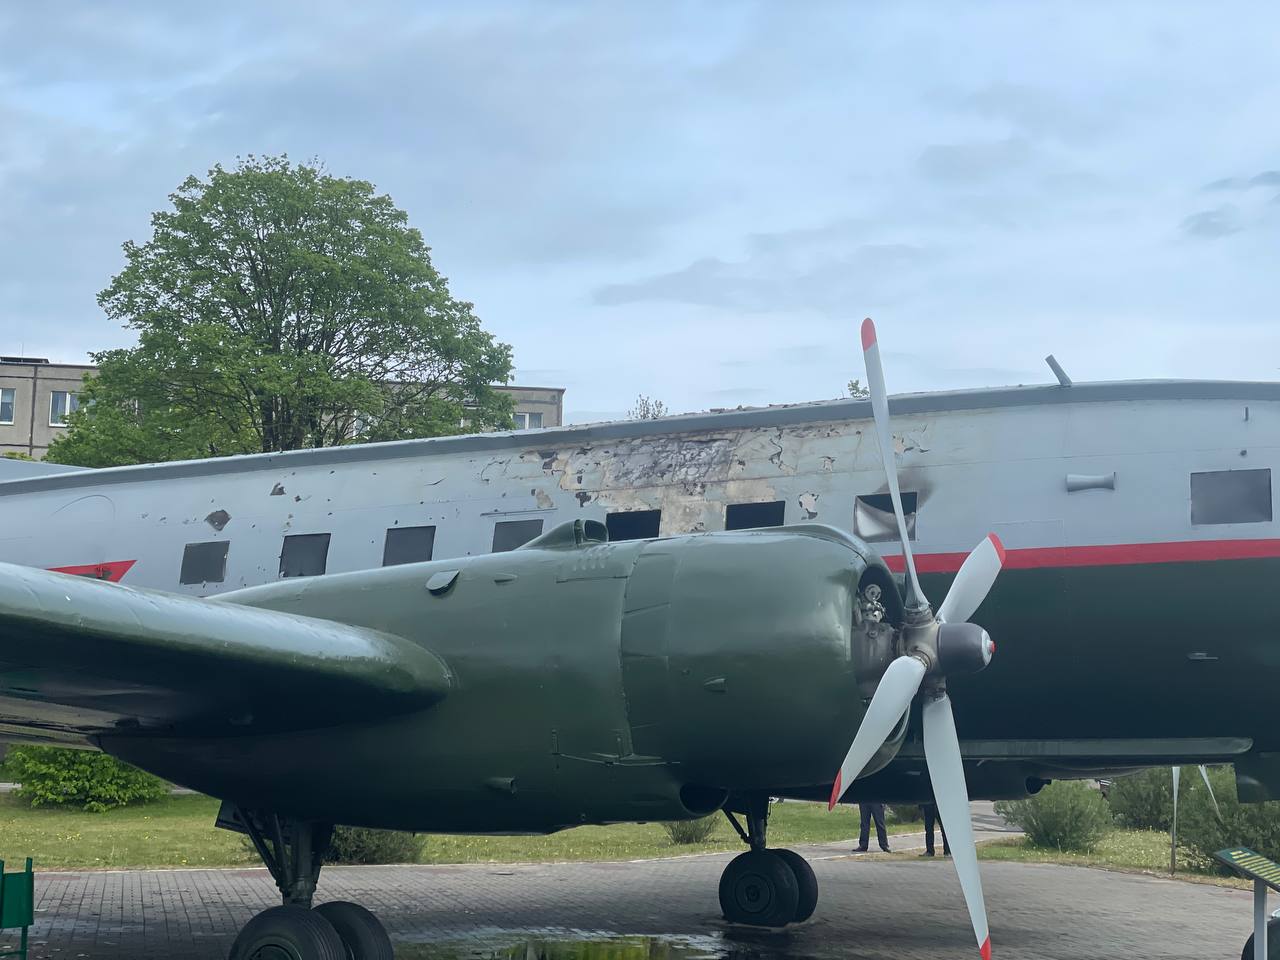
(675, 676)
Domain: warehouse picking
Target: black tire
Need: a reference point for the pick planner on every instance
(806, 882)
(759, 888)
(288, 933)
(1273, 942)
(363, 935)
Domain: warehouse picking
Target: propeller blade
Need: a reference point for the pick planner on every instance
(893, 696)
(880, 409)
(946, 771)
(974, 580)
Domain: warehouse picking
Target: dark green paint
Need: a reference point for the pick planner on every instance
(576, 681)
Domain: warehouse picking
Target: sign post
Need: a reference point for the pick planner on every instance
(1264, 873)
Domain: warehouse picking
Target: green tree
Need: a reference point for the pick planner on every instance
(646, 408)
(277, 308)
(857, 391)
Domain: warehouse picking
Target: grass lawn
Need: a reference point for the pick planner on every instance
(179, 832)
(174, 832)
(1139, 851)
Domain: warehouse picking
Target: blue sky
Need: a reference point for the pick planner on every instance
(700, 201)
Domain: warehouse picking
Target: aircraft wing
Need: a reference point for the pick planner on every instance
(79, 657)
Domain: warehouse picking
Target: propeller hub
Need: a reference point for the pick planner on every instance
(963, 648)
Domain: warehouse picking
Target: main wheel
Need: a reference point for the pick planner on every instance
(806, 883)
(759, 888)
(288, 933)
(1273, 942)
(364, 936)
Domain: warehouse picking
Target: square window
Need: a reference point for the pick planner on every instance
(509, 534)
(6, 404)
(747, 516)
(204, 562)
(873, 518)
(62, 403)
(1231, 496)
(304, 555)
(408, 545)
(633, 524)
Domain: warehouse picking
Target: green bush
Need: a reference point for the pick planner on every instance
(1201, 831)
(1066, 815)
(1144, 800)
(365, 845)
(56, 776)
(691, 831)
(904, 812)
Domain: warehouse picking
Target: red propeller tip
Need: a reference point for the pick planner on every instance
(868, 334)
(835, 794)
(985, 949)
(995, 542)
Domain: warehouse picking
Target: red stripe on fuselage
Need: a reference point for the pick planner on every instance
(113, 570)
(1108, 555)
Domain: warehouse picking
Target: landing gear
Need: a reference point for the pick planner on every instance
(763, 887)
(293, 851)
(1273, 942)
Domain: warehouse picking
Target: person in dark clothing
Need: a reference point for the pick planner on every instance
(932, 816)
(868, 812)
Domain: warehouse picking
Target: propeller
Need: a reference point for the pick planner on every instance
(931, 647)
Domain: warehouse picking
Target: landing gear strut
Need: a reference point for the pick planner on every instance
(763, 887)
(293, 851)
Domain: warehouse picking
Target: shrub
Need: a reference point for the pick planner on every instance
(366, 845)
(691, 831)
(57, 776)
(1066, 815)
(1144, 800)
(1201, 831)
(904, 812)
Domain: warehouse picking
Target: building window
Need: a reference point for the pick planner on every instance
(304, 555)
(408, 545)
(509, 534)
(745, 516)
(204, 562)
(6, 404)
(528, 421)
(873, 518)
(1231, 496)
(62, 403)
(633, 524)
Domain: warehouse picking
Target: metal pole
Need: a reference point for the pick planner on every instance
(1259, 920)
(1173, 831)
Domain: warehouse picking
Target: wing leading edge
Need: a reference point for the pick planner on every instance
(80, 657)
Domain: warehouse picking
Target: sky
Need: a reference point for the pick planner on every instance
(700, 201)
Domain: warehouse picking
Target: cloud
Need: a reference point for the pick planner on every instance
(1211, 224)
(964, 163)
(778, 277)
(1267, 178)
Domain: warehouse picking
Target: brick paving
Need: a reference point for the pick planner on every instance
(870, 909)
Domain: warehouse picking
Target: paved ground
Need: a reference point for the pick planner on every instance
(869, 908)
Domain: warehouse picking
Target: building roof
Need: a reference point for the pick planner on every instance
(743, 418)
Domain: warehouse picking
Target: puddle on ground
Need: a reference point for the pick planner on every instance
(584, 946)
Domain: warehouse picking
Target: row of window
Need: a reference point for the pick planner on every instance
(62, 403)
(1224, 496)
(307, 554)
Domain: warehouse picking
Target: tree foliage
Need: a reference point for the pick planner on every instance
(1204, 828)
(1144, 800)
(1065, 815)
(683, 832)
(857, 391)
(366, 845)
(53, 776)
(646, 408)
(277, 308)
